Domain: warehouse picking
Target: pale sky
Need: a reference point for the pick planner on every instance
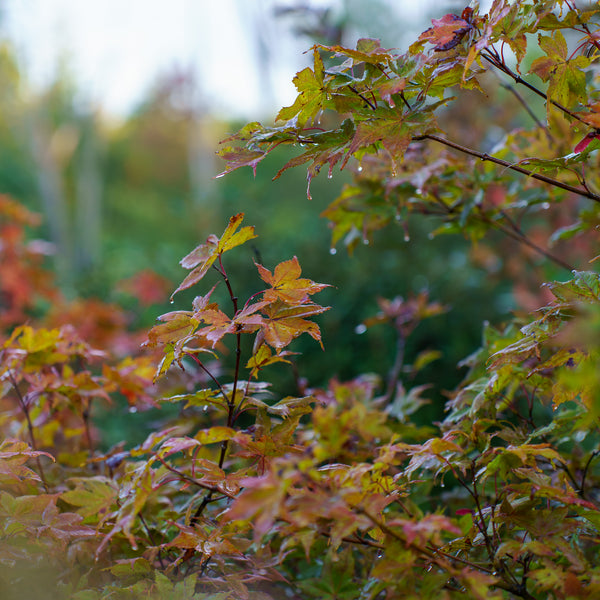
(116, 48)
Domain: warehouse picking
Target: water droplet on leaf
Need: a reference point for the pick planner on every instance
(406, 237)
(545, 205)
(332, 251)
(430, 235)
(132, 409)
(359, 168)
(360, 329)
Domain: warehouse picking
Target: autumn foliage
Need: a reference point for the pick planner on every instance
(345, 491)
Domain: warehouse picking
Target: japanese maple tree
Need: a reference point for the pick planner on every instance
(343, 492)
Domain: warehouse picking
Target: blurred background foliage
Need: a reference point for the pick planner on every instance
(136, 195)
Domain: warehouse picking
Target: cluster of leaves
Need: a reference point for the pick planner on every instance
(340, 492)
(384, 109)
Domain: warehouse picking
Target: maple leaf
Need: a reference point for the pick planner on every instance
(282, 323)
(392, 132)
(264, 357)
(219, 324)
(446, 32)
(326, 148)
(591, 118)
(565, 77)
(286, 285)
(312, 95)
(500, 9)
(260, 501)
(585, 142)
(368, 50)
(176, 326)
(240, 157)
(93, 497)
(390, 87)
(203, 256)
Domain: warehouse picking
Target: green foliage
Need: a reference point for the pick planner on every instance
(339, 491)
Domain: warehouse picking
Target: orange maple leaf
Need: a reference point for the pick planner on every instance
(286, 284)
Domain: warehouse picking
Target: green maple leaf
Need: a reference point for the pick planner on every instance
(392, 133)
(368, 51)
(264, 357)
(93, 496)
(565, 77)
(312, 95)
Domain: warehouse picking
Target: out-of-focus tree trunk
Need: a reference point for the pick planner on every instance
(52, 195)
(88, 200)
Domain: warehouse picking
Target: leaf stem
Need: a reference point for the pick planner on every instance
(481, 524)
(25, 410)
(584, 26)
(214, 379)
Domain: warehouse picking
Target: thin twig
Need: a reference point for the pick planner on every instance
(230, 400)
(520, 237)
(584, 26)
(151, 538)
(363, 98)
(85, 415)
(189, 479)
(481, 521)
(25, 410)
(214, 379)
(488, 542)
(496, 62)
(503, 163)
(527, 108)
(514, 233)
(585, 471)
(394, 375)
